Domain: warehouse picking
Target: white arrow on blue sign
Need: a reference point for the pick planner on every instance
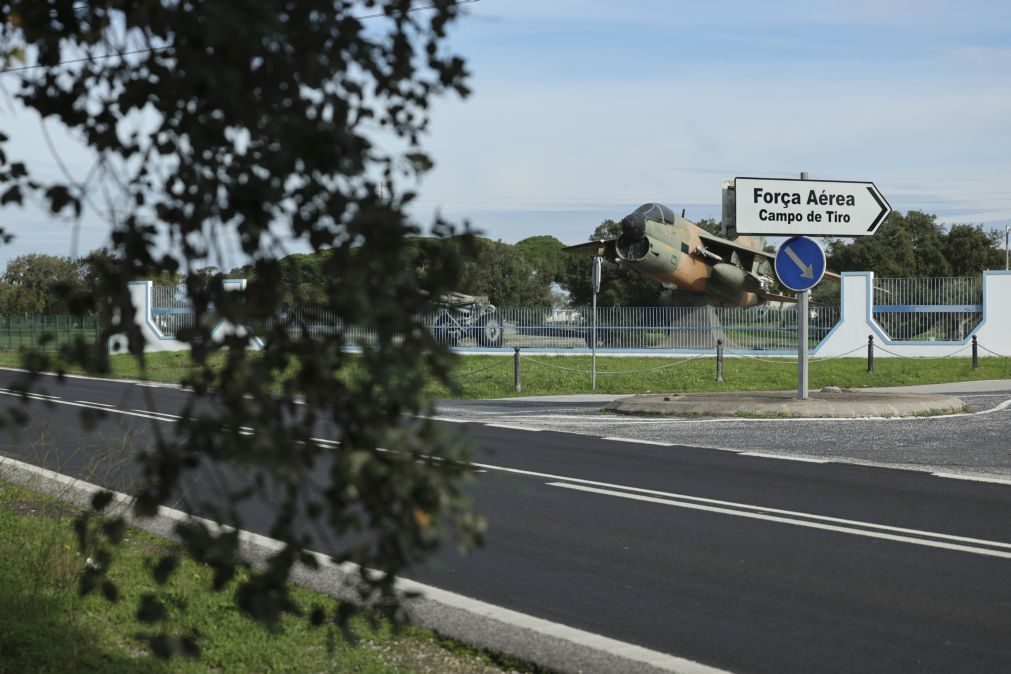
(800, 263)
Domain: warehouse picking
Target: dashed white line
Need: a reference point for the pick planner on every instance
(91, 404)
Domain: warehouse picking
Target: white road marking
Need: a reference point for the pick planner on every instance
(91, 404)
(956, 476)
(162, 416)
(574, 482)
(514, 428)
(136, 382)
(925, 541)
(640, 442)
(784, 457)
(669, 420)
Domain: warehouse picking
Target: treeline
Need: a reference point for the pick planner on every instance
(532, 272)
(37, 284)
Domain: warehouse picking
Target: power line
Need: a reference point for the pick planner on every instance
(157, 49)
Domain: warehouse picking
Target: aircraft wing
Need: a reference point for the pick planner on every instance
(723, 247)
(778, 298)
(601, 247)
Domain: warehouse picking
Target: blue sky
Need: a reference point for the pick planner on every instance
(583, 109)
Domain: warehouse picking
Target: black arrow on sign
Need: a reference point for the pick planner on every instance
(882, 204)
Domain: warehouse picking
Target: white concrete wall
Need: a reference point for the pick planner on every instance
(140, 296)
(857, 322)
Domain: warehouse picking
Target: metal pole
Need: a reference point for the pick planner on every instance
(593, 346)
(870, 354)
(802, 339)
(1007, 231)
(517, 379)
(802, 335)
(719, 360)
(595, 281)
(975, 354)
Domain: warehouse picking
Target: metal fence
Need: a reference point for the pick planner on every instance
(763, 328)
(663, 328)
(171, 309)
(907, 309)
(928, 309)
(47, 332)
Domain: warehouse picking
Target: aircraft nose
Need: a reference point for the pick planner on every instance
(633, 227)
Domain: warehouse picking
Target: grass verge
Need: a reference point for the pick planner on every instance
(482, 377)
(46, 627)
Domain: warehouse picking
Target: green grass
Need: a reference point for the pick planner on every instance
(492, 376)
(46, 627)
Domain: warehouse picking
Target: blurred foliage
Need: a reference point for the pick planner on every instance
(222, 132)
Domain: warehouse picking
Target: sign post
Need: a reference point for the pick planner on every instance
(799, 209)
(800, 266)
(597, 261)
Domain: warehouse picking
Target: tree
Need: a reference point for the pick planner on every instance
(970, 250)
(40, 284)
(545, 254)
(916, 245)
(487, 267)
(256, 121)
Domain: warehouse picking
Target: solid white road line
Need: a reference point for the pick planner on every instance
(926, 541)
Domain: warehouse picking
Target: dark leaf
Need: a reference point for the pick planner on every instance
(100, 500)
(164, 569)
(151, 610)
(110, 591)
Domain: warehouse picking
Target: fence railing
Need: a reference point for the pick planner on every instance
(928, 309)
(619, 328)
(907, 309)
(47, 332)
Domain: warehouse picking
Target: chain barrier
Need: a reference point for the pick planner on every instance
(992, 353)
(505, 361)
(794, 361)
(759, 358)
(648, 369)
(899, 355)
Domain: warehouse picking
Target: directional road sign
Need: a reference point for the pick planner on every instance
(800, 263)
(781, 206)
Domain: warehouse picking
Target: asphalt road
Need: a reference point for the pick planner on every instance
(638, 530)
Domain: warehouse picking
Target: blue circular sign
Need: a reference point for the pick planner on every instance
(800, 263)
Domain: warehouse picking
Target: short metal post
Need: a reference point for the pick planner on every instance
(719, 360)
(975, 354)
(517, 378)
(870, 354)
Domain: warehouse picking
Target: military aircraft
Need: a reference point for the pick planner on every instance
(684, 257)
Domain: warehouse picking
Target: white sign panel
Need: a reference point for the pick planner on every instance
(791, 207)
